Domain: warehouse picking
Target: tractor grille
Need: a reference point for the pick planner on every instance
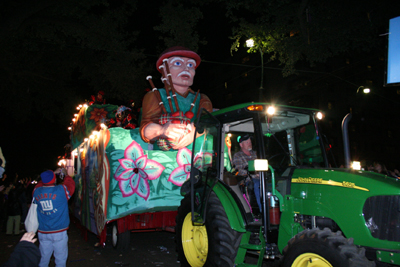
(382, 216)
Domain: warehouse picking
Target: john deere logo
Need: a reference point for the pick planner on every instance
(310, 180)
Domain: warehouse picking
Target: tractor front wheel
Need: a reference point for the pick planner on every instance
(323, 248)
(213, 244)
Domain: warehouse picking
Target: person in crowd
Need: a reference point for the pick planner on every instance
(25, 254)
(53, 217)
(14, 208)
(29, 189)
(3, 180)
(377, 167)
(167, 113)
(381, 168)
(3, 202)
(24, 198)
(240, 161)
(395, 173)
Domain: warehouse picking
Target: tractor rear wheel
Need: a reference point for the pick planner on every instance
(212, 244)
(323, 248)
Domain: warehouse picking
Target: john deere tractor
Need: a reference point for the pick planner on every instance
(312, 214)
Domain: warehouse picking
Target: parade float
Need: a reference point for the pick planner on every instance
(121, 181)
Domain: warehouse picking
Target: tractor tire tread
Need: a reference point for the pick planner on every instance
(352, 254)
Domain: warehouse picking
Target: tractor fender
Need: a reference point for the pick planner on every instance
(231, 207)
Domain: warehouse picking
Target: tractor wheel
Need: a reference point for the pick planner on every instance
(323, 248)
(213, 244)
(120, 241)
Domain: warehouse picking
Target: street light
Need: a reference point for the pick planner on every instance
(250, 43)
(365, 90)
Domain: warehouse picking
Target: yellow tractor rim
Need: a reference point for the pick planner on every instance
(194, 242)
(311, 260)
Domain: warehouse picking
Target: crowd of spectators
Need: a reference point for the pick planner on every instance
(381, 168)
(15, 199)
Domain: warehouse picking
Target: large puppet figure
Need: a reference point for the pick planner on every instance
(167, 113)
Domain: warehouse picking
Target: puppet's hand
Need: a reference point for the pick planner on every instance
(185, 139)
(173, 131)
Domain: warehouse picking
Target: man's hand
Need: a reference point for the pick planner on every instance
(29, 237)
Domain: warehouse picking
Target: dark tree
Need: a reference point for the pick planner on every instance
(53, 53)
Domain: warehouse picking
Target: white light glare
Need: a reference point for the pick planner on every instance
(62, 162)
(356, 165)
(319, 115)
(366, 90)
(261, 165)
(271, 110)
(250, 43)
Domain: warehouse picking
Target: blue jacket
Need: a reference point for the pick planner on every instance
(52, 209)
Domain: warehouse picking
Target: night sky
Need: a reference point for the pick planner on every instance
(34, 145)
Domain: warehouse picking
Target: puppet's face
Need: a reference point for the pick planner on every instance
(182, 71)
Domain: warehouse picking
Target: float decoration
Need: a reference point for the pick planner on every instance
(135, 170)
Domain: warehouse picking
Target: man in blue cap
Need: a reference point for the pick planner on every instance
(53, 217)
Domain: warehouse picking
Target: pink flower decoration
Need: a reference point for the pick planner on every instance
(180, 174)
(135, 170)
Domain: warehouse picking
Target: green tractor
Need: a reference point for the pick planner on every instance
(312, 214)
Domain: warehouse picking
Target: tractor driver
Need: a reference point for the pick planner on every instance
(240, 161)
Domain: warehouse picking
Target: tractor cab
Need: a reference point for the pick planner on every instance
(287, 137)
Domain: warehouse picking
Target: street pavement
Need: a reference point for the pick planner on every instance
(146, 249)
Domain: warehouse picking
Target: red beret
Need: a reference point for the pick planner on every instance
(178, 51)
